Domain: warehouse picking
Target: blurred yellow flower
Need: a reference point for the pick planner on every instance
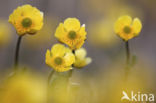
(4, 33)
(60, 58)
(71, 33)
(26, 19)
(126, 28)
(24, 89)
(80, 58)
(104, 37)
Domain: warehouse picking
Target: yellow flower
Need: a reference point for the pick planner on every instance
(71, 33)
(60, 58)
(104, 37)
(80, 58)
(5, 36)
(26, 19)
(127, 28)
(24, 88)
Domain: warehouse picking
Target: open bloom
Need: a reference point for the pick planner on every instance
(71, 33)
(80, 58)
(26, 19)
(60, 58)
(127, 28)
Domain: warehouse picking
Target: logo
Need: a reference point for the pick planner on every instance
(138, 97)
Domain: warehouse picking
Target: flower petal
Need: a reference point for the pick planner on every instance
(60, 32)
(69, 59)
(137, 26)
(88, 60)
(122, 21)
(80, 53)
(58, 50)
(72, 24)
(48, 57)
(82, 31)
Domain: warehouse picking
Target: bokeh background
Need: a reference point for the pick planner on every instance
(104, 75)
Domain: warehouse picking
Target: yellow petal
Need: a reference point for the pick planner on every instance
(48, 57)
(80, 53)
(80, 44)
(60, 32)
(88, 60)
(68, 50)
(122, 21)
(58, 50)
(72, 24)
(69, 59)
(81, 59)
(82, 31)
(137, 26)
(81, 63)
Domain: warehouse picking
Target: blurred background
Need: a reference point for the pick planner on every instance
(104, 75)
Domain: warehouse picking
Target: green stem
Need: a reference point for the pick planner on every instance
(48, 85)
(71, 71)
(17, 53)
(50, 77)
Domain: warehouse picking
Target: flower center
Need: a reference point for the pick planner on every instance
(26, 22)
(72, 34)
(58, 60)
(127, 29)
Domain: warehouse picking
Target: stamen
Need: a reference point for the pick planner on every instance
(26, 22)
(127, 29)
(72, 34)
(58, 60)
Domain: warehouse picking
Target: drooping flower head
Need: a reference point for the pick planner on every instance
(60, 58)
(71, 33)
(80, 58)
(127, 28)
(26, 19)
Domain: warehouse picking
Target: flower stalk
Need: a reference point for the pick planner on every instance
(127, 53)
(48, 85)
(16, 62)
(71, 71)
(50, 77)
(127, 68)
